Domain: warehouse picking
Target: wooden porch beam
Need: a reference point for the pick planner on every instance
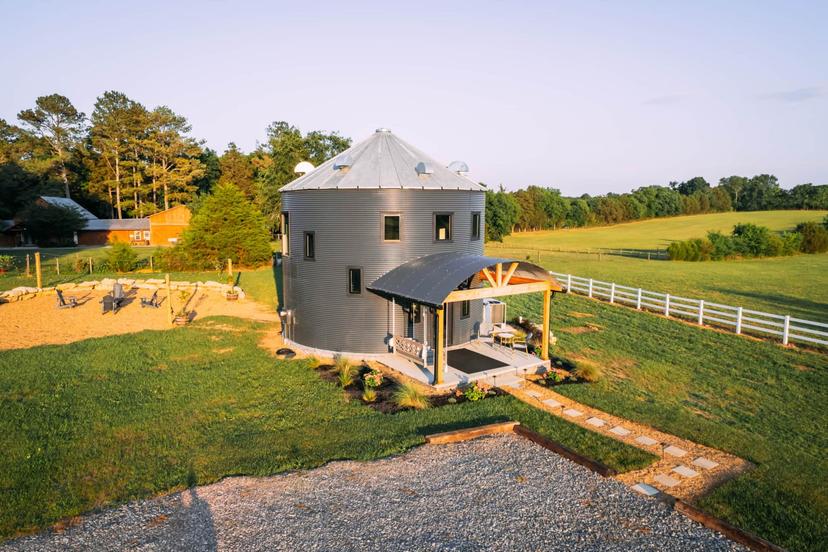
(512, 268)
(481, 293)
(439, 349)
(489, 277)
(499, 274)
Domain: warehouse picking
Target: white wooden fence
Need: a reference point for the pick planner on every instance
(737, 319)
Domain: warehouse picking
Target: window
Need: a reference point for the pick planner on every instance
(416, 313)
(310, 245)
(354, 281)
(475, 231)
(465, 309)
(147, 235)
(391, 228)
(442, 226)
(285, 234)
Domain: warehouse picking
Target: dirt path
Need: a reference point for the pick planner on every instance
(38, 321)
(708, 467)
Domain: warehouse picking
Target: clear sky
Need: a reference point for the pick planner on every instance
(583, 96)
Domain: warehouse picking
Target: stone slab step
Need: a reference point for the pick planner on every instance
(622, 431)
(666, 480)
(646, 490)
(705, 463)
(553, 403)
(533, 394)
(644, 440)
(573, 413)
(597, 422)
(509, 381)
(675, 451)
(684, 471)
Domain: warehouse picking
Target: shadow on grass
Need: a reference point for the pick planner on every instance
(784, 304)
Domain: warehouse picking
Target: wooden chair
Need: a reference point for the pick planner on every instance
(151, 301)
(62, 302)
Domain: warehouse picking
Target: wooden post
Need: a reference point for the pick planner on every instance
(57, 265)
(169, 300)
(786, 330)
(90, 265)
(28, 270)
(499, 274)
(701, 312)
(439, 346)
(229, 267)
(547, 301)
(37, 270)
(739, 321)
(151, 267)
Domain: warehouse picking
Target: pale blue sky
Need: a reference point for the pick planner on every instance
(586, 97)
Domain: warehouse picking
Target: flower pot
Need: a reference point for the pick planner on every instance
(231, 296)
(181, 320)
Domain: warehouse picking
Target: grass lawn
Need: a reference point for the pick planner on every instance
(106, 420)
(755, 399)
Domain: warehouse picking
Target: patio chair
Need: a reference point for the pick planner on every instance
(107, 303)
(151, 301)
(522, 343)
(118, 297)
(63, 303)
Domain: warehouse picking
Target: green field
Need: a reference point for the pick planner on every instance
(785, 285)
(754, 399)
(107, 420)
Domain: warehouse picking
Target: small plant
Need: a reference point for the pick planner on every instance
(6, 262)
(372, 379)
(586, 371)
(314, 362)
(369, 395)
(340, 362)
(475, 391)
(408, 396)
(344, 371)
(552, 377)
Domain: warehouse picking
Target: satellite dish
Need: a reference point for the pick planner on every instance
(303, 168)
(458, 167)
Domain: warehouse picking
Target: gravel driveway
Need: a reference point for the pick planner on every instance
(494, 493)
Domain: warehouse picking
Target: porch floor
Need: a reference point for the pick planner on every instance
(515, 363)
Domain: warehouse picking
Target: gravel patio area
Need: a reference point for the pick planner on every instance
(493, 493)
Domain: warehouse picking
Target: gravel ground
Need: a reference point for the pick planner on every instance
(495, 493)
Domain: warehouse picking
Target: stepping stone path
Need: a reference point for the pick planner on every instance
(644, 440)
(675, 451)
(666, 480)
(618, 430)
(597, 422)
(573, 413)
(703, 462)
(533, 394)
(553, 403)
(647, 490)
(685, 471)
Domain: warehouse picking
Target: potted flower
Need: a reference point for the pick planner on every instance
(232, 293)
(372, 379)
(182, 317)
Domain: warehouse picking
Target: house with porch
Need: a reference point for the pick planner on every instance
(382, 257)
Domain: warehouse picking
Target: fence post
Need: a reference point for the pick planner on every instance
(739, 321)
(638, 300)
(37, 270)
(28, 270)
(569, 283)
(151, 268)
(701, 312)
(589, 294)
(90, 265)
(612, 292)
(57, 265)
(786, 330)
(667, 305)
(230, 267)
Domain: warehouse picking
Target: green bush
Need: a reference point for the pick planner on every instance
(698, 249)
(121, 257)
(814, 237)
(6, 262)
(722, 246)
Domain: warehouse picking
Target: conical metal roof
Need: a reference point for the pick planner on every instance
(382, 161)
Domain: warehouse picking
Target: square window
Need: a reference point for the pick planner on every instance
(146, 235)
(475, 229)
(310, 245)
(465, 309)
(354, 281)
(442, 226)
(391, 227)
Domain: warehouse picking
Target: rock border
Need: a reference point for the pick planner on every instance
(23, 292)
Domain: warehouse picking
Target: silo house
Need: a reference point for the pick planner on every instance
(382, 257)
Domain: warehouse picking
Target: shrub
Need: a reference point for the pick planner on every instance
(690, 250)
(587, 371)
(408, 396)
(121, 257)
(814, 237)
(751, 240)
(372, 379)
(552, 377)
(345, 372)
(6, 262)
(722, 246)
(475, 391)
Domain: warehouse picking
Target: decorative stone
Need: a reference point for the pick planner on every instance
(675, 451)
(573, 413)
(685, 471)
(705, 463)
(646, 490)
(533, 394)
(666, 480)
(552, 402)
(622, 431)
(644, 440)
(597, 422)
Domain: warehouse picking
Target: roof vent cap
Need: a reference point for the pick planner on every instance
(423, 168)
(383, 130)
(343, 162)
(458, 167)
(303, 167)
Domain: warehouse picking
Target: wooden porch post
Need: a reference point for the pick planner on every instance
(438, 346)
(547, 301)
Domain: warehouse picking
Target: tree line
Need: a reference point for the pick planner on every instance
(126, 160)
(538, 208)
